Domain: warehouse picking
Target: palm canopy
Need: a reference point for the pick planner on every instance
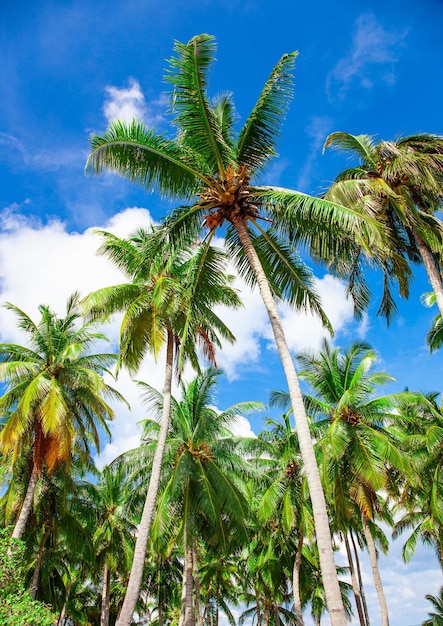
(202, 495)
(210, 166)
(54, 388)
(400, 182)
(169, 292)
(351, 420)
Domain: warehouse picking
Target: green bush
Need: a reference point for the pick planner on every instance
(16, 606)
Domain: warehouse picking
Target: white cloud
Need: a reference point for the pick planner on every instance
(124, 104)
(44, 264)
(129, 103)
(372, 45)
(305, 331)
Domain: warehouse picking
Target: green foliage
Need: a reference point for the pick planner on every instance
(16, 607)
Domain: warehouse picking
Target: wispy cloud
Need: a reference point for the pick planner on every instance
(372, 45)
(129, 103)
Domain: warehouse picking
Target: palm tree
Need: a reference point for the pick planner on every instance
(357, 451)
(115, 527)
(170, 300)
(400, 182)
(285, 496)
(210, 167)
(55, 393)
(435, 618)
(434, 336)
(201, 499)
(420, 423)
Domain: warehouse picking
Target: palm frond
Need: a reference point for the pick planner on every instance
(258, 137)
(146, 158)
(198, 124)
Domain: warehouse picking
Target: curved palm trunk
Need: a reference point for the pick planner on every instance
(187, 617)
(296, 583)
(360, 580)
(434, 275)
(375, 571)
(322, 530)
(196, 584)
(138, 561)
(355, 586)
(37, 566)
(106, 594)
(26, 509)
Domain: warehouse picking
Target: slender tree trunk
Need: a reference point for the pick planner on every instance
(106, 594)
(62, 616)
(296, 583)
(257, 602)
(322, 530)
(266, 614)
(360, 581)
(187, 616)
(375, 571)
(38, 561)
(354, 581)
(26, 509)
(276, 615)
(217, 607)
(434, 275)
(144, 528)
(196, 583)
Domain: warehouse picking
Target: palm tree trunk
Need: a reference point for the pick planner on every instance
(144, 528)
(106, 594)
(296, 583)
(26, 509)
(38, 562)
(433, 273)
(196, 584)
(187, 617)
(360, 580)
(375, 571)
(276, 615)
(322, 530)
(354, 581)
(62, 616)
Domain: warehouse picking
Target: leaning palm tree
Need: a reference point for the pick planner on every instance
(54, 394)
(114, 527)
(170, 300)
(420, 499)
(285, 497)
(357, 450)
(436, 617)
(401, 182)
(201, 499)
(211, 168)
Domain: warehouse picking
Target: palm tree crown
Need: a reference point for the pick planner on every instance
(211, 167)
(399, 182)
(55, 393)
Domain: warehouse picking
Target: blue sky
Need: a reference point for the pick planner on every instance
(69, 67)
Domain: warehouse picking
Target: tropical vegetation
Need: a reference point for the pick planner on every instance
(198, 525)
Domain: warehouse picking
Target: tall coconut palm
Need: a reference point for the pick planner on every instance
(285, 497)
(421, 493)
(211, 168)
(357, 449)
(401, 182)
(55, 394)
(201, 498)
(170, 300)
(436, 617)
(115, 528)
